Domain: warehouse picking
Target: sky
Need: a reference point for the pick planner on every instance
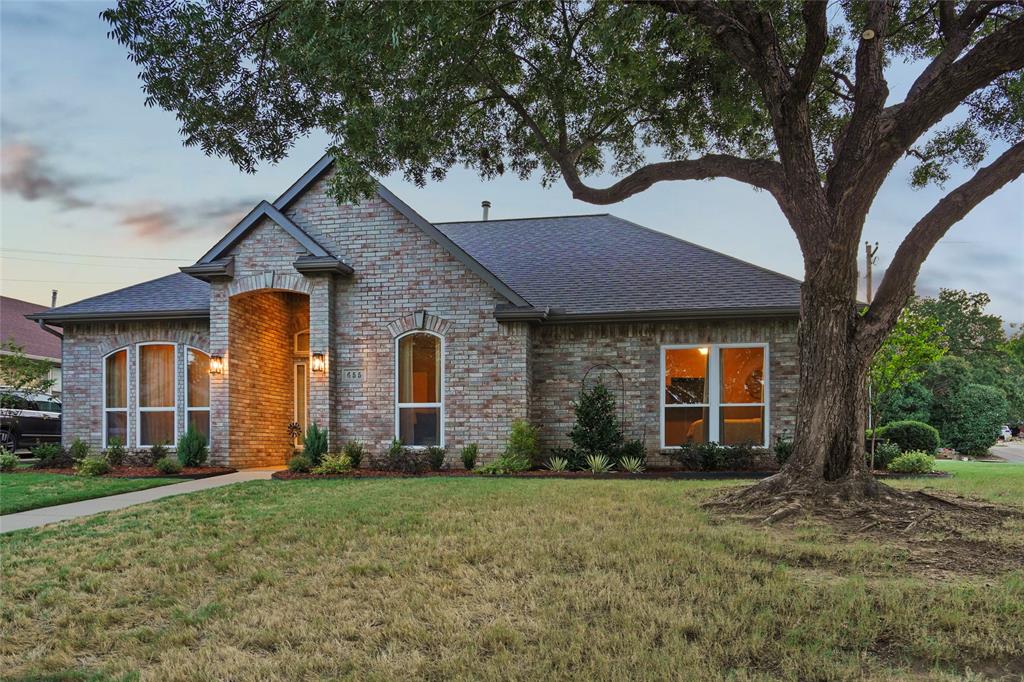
(88, 170)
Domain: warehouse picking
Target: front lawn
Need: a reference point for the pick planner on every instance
(29, 490)
(490, 579)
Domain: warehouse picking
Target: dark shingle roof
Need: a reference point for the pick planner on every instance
(600, 264)
(174, 296)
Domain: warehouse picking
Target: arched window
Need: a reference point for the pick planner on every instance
(419, 411)
(115, 397)
(302, 343)
(197, 395)
(157, 408)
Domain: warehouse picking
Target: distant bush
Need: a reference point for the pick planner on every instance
(469, 454)
(166, 465)
(911, 435)
(114, 453)
(783, 450)
(354, 451)
(192, 449)
(914, 462)
(333, 464)
(79, 450)
(435, 456)
(314, 444)
(52, 456)
(8, 460)
(92, 466)
(299, 464)
(885, 452)
(973, 417)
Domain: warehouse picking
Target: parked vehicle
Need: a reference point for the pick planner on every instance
(1005, 433)
(28, 419)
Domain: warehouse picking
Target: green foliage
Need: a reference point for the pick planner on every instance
(715, 457)
(469, 455)
(299, 464)
(912, 401)
(782, 449)
(632, 465)
(522, 444)
(79, 450)
(971, 423)
(21, 373)
(556, 463)
(314, 444)
(914, 343)
(599, 464)
(435, 456)
(967, 330)
(8, 460)
(355, 452)
(115, 453)
(158, 452)
(885, 452)
(167, 465)
(192, 449)
(92, 466)
(597, 428)
(633, 449)
(913, 462)
(910, 435)
(333, 464)
(406, 460)
(51, 456)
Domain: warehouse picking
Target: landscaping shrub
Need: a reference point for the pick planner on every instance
(632, 465)
(79, 450)
(354, 451)
(599, 464)
(715, 457)
(911, 435)
(885, 452)
(435, 456)
(192, 448)
(158, 452)
(973, 417)
(8, 460)
(575, 459)
(314, 445)
(632, 449)
(556, 463)
(469, 454)
(783, 449)
(92, 466)
(52, 456)
(299, 464)
(166, 465)
(913, 462)
(333, 464)
(597, 429)
(522, 443)
(114, 453)
(406, 460)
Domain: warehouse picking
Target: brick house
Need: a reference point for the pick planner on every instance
(375, 323)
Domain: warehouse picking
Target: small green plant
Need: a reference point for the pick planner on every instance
(51, 456)
(8, 460)
(556, 463)
(92, 466)
(633, 465)
(634, 449)
(167, 465)
(114, 453)
(522, 443)
(314, 445)
(406, 460)
(435, 455)
(469, 454)
(911, 435)
(158, 452)
(913, 462)
(333, 464)
(354, 451)
(885, 453)
(299, 464)
(192, 449)
(79, 450)
(599, 464)
(783, 449)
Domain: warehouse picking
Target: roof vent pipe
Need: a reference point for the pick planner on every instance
(486, 205)
(53, 298)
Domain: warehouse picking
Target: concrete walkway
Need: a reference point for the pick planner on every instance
(62, 512)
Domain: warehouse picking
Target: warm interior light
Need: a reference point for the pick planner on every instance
(703, 351)
(318, 362)
(216, 364)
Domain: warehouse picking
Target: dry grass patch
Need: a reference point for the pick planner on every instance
(482, 579)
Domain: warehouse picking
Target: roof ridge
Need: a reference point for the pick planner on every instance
(116, 291)
(509, 220)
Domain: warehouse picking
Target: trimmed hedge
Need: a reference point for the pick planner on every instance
(911, 436)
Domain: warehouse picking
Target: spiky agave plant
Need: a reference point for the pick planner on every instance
(598, 464)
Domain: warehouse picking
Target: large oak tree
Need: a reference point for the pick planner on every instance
(789, 97)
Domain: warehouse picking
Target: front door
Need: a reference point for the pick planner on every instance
(301, 393)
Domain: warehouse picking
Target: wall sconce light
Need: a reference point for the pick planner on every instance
(703, 350)
(216, 364)
(318, 362)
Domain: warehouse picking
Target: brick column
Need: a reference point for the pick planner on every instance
(219, 394)
(321, 340)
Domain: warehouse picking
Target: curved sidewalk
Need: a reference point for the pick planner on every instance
(34, 518)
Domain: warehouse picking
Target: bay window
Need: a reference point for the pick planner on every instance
(418, 406)
(157, 407)
(197, 395)
(714, 393)
(115, 397)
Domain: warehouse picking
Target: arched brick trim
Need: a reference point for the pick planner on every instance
(277, 281)
(420, 319)
(133, 337)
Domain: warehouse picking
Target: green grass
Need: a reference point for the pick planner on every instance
(489, 579)
(25, 490)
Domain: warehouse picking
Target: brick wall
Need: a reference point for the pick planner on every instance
(562, 354)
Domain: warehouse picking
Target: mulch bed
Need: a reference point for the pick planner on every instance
(188, 473)
(540, 473)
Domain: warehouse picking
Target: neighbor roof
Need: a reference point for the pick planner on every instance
(601, 266)
(176, 296)
(34, 342)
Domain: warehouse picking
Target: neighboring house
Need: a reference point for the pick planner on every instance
(36, 342)
(375, 323)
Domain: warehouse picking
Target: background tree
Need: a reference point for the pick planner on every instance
(788, 97)
(22, 373)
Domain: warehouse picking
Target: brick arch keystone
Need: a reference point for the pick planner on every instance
(420, 319)
(276, 281)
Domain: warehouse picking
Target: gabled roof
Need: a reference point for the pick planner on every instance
(34, 341)
(262, 210)
(177, 296)
(604, 267)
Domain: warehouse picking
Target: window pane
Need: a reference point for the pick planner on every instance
(117, 379)
(156, 377)
(742, 425)
(198, 378)
(419, 369)
(302, 342)
(686, 371)
(156, 428)
(742, 375)
(686, 425)
(419, 425)
(117, 426)
(200, 419)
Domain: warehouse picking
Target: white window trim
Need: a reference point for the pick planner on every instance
(138, 396)
(127, 398)
(189, 408)
(714, 380)
(399, 406)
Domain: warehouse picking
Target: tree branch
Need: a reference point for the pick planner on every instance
(898, 284)
(816, 23)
